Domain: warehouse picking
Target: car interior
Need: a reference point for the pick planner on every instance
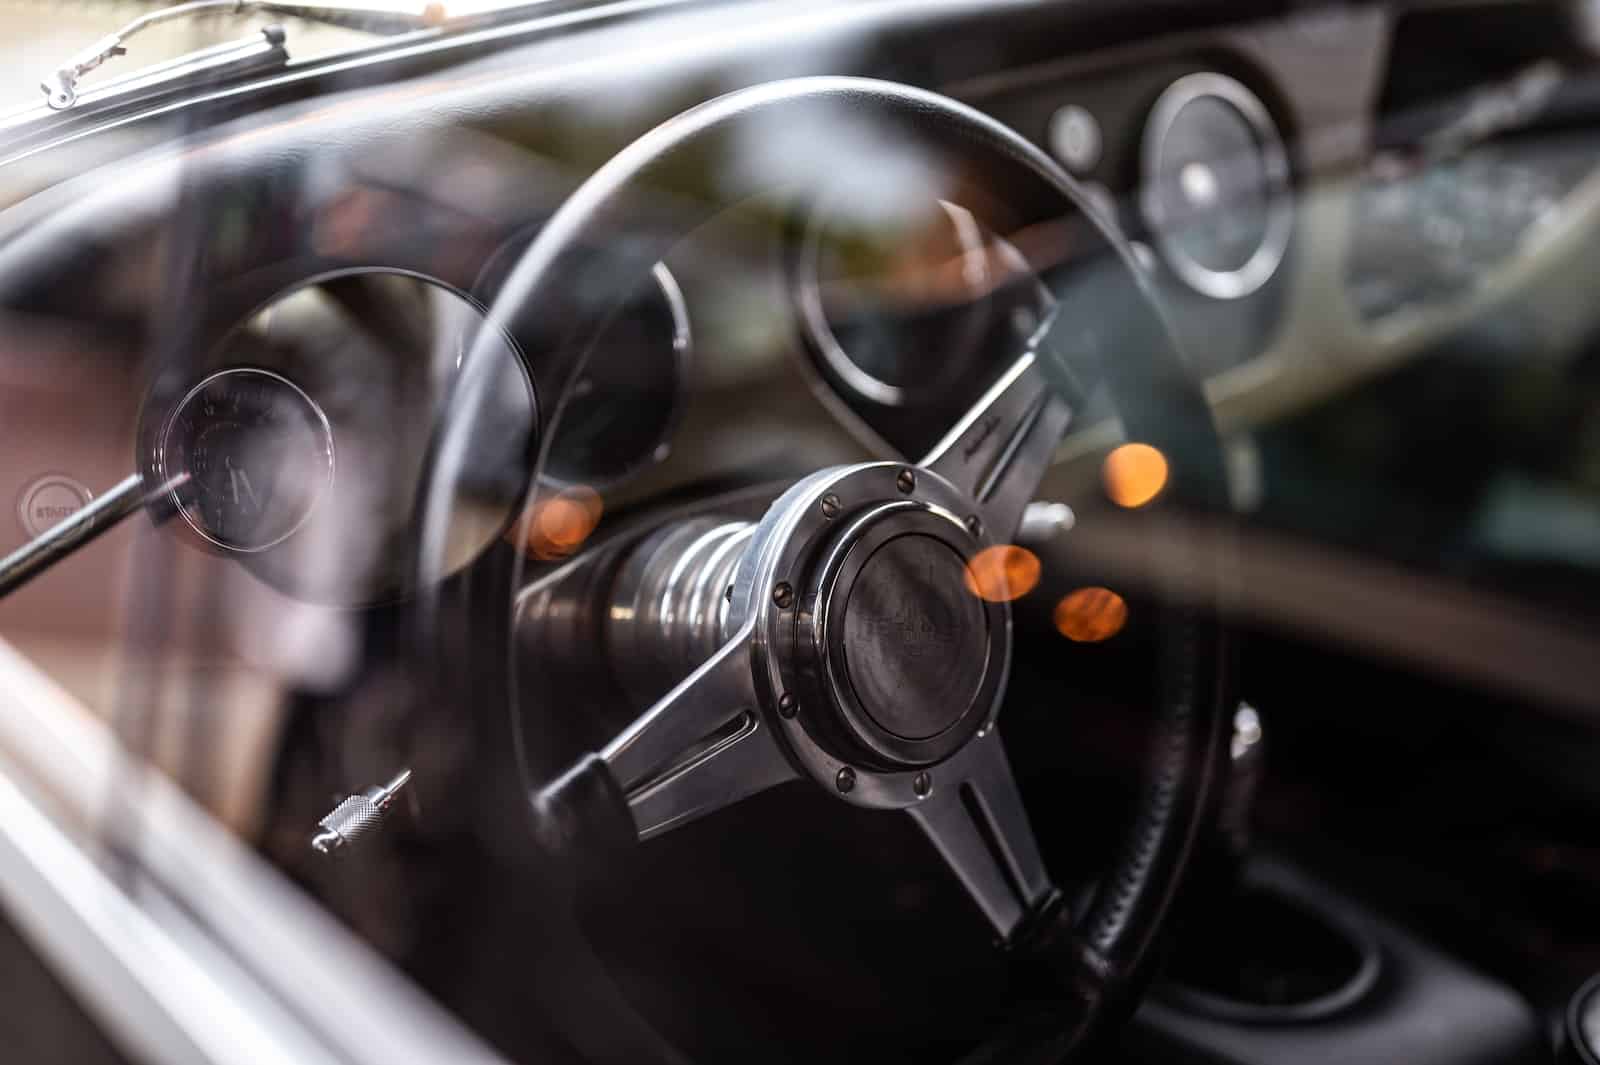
(694, 531)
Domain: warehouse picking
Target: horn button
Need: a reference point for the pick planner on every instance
(912, 639)
(884, 662)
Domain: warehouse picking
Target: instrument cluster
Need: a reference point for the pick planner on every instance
(300, 444)
(902, 316)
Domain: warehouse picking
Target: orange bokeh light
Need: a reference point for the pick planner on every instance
(1002, 573)
(1090, 615)
(1134, 474)
(561, 523)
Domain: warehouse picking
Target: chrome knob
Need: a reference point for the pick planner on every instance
(357, 816)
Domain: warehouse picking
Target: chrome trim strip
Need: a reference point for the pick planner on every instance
(190, 946)
(155, 995)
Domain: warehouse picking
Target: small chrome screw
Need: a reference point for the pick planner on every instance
(830, 506)
(974, 526)
(922, 784)
(787, 705)
(906, 481)
(783, 595)
(846, 779)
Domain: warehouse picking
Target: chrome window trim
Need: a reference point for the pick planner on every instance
(184, 943)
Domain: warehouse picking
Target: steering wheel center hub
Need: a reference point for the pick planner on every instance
(905, 648)
(879, 656)
(914, 639)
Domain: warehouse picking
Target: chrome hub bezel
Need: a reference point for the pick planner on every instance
(843, 564)
(808, 546)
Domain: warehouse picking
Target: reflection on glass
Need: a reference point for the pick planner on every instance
(376, 353)
(1002, 573)
(1134, 474)
(561, 524)
(1090, 615)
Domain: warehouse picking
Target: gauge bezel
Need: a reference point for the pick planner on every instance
(486, 287)
(1264, 262)
(167, 475)
(825, 344)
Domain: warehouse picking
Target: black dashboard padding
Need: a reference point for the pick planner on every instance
(632, 211)
(1425, 1008)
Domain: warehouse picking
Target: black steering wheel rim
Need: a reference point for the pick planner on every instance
(625, 218)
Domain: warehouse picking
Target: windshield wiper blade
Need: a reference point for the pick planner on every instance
(61, 86)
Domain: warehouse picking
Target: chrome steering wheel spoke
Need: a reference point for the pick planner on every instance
(702, 746)
(976, 820)
(998, 451)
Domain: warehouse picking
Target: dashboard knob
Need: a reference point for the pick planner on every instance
(357, 816)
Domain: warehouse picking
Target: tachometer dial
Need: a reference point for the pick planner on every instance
(253, 455)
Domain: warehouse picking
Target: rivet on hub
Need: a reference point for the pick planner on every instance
(830, 506)
(787, 705)
(974, 526)
(922, 784)
(846, 780)
(783, 595)
(906, 481)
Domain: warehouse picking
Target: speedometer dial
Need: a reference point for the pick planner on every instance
(251, 455)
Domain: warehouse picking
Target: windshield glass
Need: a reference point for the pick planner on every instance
(38, 37)
(695, 532)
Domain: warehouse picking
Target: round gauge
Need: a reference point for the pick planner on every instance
(891, 308)
(248, 455)
(1216, 186)
(620, 412)
(618, 416)
(358, 365)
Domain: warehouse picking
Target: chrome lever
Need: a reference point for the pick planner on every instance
(357, 816)
(72, 532)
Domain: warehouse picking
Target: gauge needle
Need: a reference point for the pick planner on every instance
(72, 532)
(234, 479)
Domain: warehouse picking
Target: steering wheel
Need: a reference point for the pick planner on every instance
(836, 640)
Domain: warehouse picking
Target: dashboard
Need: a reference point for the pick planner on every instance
(1307, 217)
(1177, 141)
(1305, 222)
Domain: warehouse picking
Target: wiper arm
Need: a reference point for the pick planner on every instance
(61, 86)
